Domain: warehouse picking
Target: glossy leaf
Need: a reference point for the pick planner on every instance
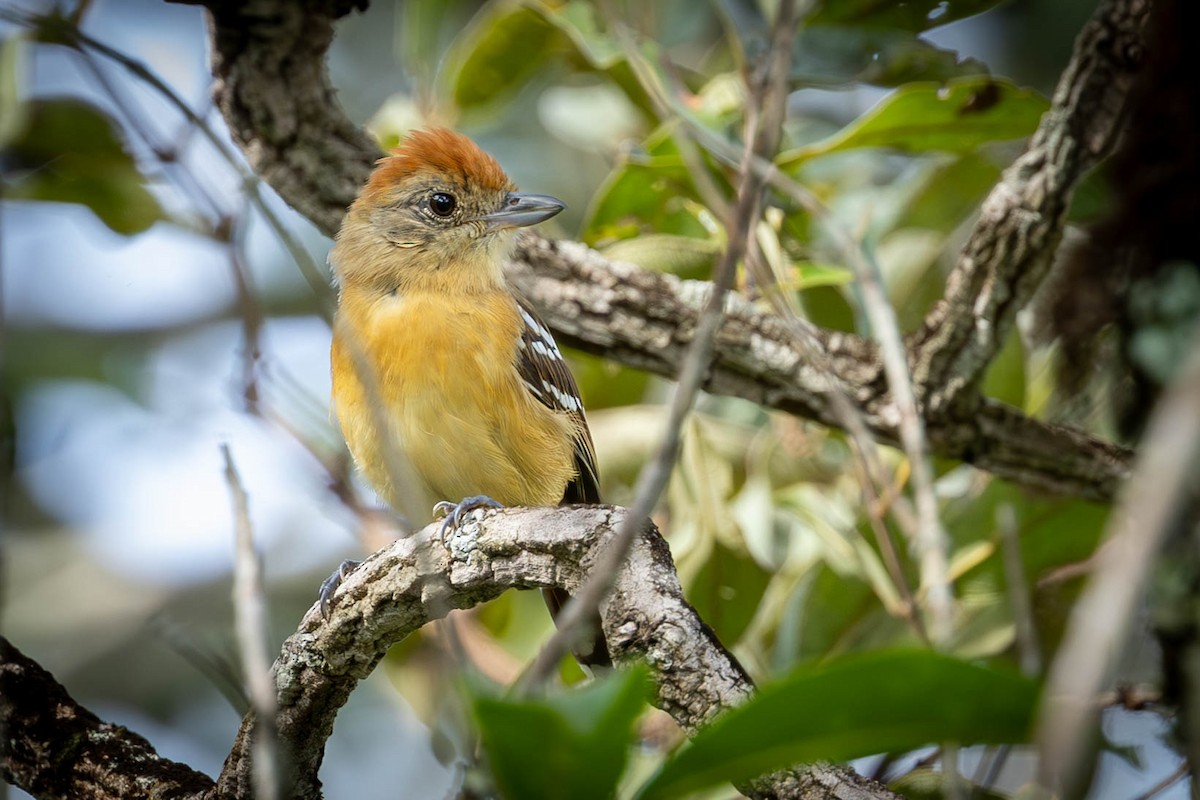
(874, 703)
(958, 117)
(70, 152)
(571, 745)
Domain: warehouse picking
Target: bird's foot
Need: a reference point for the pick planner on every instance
(331, 584)
(453, 512)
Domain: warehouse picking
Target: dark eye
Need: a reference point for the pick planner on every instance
(442, 204)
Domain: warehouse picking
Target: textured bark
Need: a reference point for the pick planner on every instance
(1013, 245)
(646, 319)
(390, 595)
(398, 589)
(53, 748)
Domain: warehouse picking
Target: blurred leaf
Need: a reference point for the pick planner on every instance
(509, 42)
(12, 108)
(947, 193)
(957, 117)
(70, 152)
(647, 191)
(831, 609)
(571, 745)
(503, 47)
(836, 55)
(685, 256)
(860, 41)
(1004, 379)
(726, 590)
(810, 275)
(914, 15)
(874, 703)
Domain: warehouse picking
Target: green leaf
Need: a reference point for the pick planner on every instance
(509, 42)
(685, 256)
(571, 745)
(70, 152)
(1005, 376)
(502, 48)
(810, 275)
(726, 590)
(879, 702)
(836, 55)
(914, 15)
(650, 190)
(957, 117)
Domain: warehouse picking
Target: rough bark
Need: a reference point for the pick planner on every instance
(1013, 245)
(390, 595)
(53, 748)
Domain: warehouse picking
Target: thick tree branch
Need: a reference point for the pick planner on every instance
(645, 319)
(417, 579)
(393, 593)
(53, 748)
(1014, 242)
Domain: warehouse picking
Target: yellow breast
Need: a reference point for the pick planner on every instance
(447, 385)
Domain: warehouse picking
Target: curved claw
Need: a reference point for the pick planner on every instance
(454, 511)
(331, 584)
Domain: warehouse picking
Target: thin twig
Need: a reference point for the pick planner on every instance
(251, 314)
(251, 626)
(1028, 649)
(1100, 621)
(772, 94)
(1166, 783)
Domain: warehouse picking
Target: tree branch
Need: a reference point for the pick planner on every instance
(53, 748)
(417, 579)
(389, 596)
(1012, 247)
(645, 319)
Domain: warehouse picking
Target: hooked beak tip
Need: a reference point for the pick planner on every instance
(522, 210)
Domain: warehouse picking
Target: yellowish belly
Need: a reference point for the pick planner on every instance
(461, 418)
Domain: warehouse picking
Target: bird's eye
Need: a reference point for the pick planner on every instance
(442, 204)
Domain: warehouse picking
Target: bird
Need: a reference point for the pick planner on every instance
(479, 405)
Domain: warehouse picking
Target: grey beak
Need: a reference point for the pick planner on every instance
(521, 210)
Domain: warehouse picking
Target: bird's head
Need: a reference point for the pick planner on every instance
(438, 209)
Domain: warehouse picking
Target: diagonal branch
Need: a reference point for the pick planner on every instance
(1012, 247)
(54, 748)
(389, 596)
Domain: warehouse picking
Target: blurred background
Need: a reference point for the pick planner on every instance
(158, 304)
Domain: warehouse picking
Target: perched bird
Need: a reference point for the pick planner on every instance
(480, 403)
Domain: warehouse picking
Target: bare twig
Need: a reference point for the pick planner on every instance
(1028, 648)
(1100, 621)
(251, 626)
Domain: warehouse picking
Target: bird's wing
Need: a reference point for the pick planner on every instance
(549, 379)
